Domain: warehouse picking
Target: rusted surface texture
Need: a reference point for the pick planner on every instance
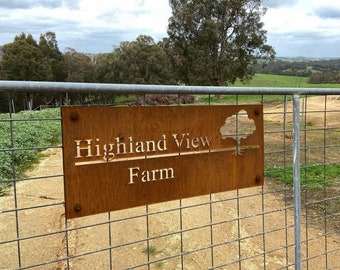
(121, 157)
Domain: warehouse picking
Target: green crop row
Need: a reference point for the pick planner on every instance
(23, 136)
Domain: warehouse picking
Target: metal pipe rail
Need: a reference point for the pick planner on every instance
(69, 87)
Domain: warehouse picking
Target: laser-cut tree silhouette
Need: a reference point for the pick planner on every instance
(237, 127)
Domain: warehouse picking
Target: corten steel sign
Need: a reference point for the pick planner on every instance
(122, 157)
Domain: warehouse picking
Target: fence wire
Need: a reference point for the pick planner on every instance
(252, 228)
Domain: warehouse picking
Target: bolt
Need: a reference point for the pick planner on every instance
(74, 116)
(77, 207)
(258, 178)
(256, 112)
(121, 136)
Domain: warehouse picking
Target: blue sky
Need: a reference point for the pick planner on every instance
(308, 28)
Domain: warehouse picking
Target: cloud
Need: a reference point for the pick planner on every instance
(304, 40)
(30, 4)
(293, 26)
(278, 3)
(72, 4)
(95, 41)
(306, 28)
(328, 13)
(311, 43)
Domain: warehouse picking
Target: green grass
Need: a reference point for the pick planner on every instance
(123, 99)
(151, 250)
(32, 131)
(269, 80)
(313, 176)
(231, 99)
(263, 80)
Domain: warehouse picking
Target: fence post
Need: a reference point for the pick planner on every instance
(296, 176)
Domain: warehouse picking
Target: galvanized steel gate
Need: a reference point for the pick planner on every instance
(292, 223)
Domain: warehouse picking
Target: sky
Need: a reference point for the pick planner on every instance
(308, 28)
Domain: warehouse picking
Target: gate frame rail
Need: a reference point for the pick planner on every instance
(101, 88)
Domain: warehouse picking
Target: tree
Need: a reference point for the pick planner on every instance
(49, 47)
(23, 60)
(106, 70)
(142, 62)
(238, 127)
(217, 41)
(79, 67)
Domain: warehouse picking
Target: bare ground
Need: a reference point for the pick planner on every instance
(44, 217)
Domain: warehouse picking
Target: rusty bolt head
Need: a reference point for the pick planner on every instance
(77, 207)
(74, 116)
(121, 136)
(256, 112)
(258, 178)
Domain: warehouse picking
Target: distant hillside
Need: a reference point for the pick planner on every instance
(303, 59)
(301, 66)
(0, 52)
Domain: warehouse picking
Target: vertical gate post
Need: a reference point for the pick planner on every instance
(296, 179)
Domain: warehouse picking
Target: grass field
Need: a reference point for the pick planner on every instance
(269, 80)
(265, 80)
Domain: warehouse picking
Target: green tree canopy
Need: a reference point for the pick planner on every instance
(214, 42)
(49, 47)
(78, 66)
(142, 62)
(23, 60)
(106, 67)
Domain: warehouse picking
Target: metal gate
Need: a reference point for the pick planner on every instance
(292, 222)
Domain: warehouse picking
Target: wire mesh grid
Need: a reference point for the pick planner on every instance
(250, 228)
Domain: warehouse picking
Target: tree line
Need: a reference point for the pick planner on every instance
(208, 43)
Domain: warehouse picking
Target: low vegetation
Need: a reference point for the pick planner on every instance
(23, 136)
(313, 176)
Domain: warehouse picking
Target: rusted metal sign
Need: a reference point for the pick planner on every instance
(122, 157)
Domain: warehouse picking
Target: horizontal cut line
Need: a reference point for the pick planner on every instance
(84, 163)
